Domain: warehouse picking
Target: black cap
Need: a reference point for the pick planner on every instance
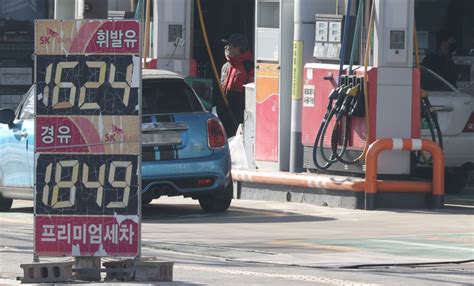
(237, 40)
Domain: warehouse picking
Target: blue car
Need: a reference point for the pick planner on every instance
(184, 147)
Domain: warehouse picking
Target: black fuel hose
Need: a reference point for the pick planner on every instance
(327, 117)
(335, 139)
(338, 96)
(434, 119)
(343, 121)
(335, 110)
(433, 124)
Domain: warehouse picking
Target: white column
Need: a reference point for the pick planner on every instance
(393, 57)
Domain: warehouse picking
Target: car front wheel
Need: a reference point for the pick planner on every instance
(219, 201)
(456, 180)
(5, 204)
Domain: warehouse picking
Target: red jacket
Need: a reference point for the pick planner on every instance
(237, 72)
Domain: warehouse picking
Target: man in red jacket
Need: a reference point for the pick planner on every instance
(237, 71)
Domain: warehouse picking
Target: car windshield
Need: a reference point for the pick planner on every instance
(26, 109)
(431, 82)
(168, 96)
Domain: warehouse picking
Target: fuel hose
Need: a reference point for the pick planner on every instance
(213, 64)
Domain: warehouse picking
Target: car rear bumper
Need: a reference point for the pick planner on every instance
(175, 177)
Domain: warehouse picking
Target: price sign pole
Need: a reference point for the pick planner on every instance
(87, 140)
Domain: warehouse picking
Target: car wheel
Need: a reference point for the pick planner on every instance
(5, 204)
(219, 201)
(456, 180)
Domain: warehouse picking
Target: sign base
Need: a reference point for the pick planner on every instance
(141, 269)
(51, 272)
(87, 268)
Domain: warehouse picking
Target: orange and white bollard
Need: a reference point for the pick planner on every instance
(381, 145)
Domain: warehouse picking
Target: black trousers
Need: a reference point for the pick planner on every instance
(237, 106)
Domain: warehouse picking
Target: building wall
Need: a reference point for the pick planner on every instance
(16, 47)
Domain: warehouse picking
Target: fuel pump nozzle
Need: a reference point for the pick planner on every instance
(333, 96)
(349, 100)
(334, 93)
(341, 98)
(357, 108)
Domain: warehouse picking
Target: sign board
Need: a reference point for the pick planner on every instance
(328, 34)
(87, 138)
(297, 76)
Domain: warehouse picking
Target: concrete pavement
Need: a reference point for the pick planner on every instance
(265, 242)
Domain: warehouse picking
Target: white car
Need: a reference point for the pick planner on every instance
(456, 120)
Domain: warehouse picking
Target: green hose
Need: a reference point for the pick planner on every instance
(356, 34)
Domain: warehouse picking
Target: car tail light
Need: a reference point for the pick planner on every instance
(216, 134)
(204, 182)
(470, 124)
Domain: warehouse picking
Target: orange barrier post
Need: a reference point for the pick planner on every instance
(404, 144)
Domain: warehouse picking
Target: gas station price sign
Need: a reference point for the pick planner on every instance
(87, 138)
(86, 185)
(75, 84)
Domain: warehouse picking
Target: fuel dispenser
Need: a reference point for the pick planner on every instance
(172, 34)
(340, 108)
(346, 108)
(273, 54)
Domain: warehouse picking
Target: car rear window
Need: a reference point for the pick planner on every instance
(168, 96)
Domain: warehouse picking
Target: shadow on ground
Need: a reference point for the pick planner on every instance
(185, 213)
(454, 204)
(459, 204)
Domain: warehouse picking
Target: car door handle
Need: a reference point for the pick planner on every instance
(441, 108)
(21, 134)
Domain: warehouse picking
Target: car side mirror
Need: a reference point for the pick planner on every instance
(7, 116)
